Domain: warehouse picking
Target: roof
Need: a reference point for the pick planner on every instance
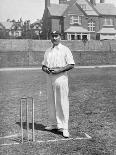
(7, 25)
(71, 2)
(78, 29)
(105, 8)
(101, 8)
(107, 31)
(37, 22)
(57, 9)
(90, 10)
(1, 26)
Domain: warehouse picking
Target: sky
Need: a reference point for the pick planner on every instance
(27, 9)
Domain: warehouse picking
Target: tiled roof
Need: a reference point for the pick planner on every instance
(77, 29)
(106, 8)
(57, 9)
(89, 8)
(107, 31)
(1, 26)
(7, 25)
(36, 22)
(102, 8)
(91, 12)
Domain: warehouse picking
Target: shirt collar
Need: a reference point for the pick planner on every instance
(58, 46)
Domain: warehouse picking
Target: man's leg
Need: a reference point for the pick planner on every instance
(51, 102)
(62, 102)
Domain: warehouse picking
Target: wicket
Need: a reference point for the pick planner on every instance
(24, 100)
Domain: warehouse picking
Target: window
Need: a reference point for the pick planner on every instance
(77, 36)
(76, 20)
(91, 26)
(17, 34)
(83, 6)
(108, 21)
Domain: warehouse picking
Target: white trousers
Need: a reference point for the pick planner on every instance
(57, 99)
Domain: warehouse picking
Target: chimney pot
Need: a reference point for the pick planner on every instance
(93, 2)
(47, 3)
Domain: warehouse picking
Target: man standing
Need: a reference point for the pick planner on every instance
(57, 61)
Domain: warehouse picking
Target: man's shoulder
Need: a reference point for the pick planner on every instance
(64, 46)
(48, 49)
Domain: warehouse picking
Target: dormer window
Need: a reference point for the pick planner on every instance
(108, 21)
(75, 20)
(83, 6)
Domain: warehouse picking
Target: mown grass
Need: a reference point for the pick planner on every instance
(92, 110)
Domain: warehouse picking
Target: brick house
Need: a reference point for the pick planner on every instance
(36, 29)
(5, 29)
(16, 30)
(80, 19)
(11, 29)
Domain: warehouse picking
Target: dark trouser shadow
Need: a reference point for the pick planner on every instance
(40, 127)
(36, 126)
(55, 131)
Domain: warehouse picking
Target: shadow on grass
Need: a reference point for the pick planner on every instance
(40, 127)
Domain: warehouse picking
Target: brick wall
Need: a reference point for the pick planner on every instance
(24, 53)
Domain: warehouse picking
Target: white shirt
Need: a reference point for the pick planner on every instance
(59, 56)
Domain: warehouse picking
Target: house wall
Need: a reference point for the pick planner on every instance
(96, 20)
(56, 24)
(46, 25)
(73, 10)
(101, 21)
(115, 22)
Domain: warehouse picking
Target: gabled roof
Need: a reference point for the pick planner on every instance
(70, 4)
(38, 21)
(57, 9)
(78, 29)
(105, 8)
(1, 26)
(90, 10)
(60, 9)
(16, 26)
(107, 31)
(101, 8)
(7, 25)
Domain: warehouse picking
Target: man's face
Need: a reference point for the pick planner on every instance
(55, 39)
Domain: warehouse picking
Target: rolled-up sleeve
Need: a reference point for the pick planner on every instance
(69, 57)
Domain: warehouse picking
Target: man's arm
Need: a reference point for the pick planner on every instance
(62, 69)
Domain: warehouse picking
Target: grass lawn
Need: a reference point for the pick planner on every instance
(92, 110)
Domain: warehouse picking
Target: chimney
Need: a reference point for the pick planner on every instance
(62, 1)
(102, 1)
(93, 2)
(47, 3)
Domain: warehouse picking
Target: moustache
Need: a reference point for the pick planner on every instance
(54, 39)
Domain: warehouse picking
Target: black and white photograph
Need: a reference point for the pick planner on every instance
(57, 77)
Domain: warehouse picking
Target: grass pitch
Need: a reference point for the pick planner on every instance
(92, 98)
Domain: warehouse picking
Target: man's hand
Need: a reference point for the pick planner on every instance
(58, 70)
(46, 69)
(55, 70)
